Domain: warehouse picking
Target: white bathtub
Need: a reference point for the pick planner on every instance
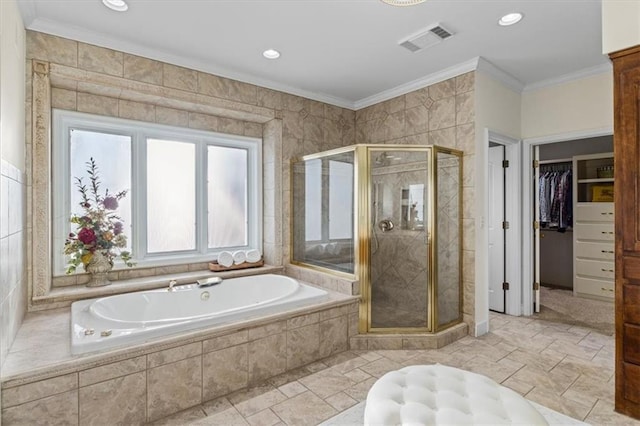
(133, 318)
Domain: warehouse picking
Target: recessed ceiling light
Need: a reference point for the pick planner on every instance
(271, 54)
(403, 2)
(117, 5)
(510, 19)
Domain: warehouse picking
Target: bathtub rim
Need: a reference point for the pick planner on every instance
(80, 362)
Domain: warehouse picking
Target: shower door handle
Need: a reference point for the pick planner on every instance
(385, 225)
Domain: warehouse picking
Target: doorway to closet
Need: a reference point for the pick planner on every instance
(572, 187)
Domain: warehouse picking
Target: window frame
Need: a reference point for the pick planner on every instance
(63, 121)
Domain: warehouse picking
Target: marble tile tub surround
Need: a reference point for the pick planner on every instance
(567, 369)
(41, 379)
(13, 288)
(67, 74)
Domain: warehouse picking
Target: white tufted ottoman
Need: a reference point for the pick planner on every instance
(441, 395)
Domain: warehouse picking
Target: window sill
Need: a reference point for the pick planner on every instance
(64, 296)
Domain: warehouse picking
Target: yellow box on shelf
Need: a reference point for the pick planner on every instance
(602, 193)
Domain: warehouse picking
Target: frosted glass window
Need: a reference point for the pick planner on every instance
(227, 196)
(313, 200)
(191, 193)
(112, 155)
(340, 200)
(171, 196)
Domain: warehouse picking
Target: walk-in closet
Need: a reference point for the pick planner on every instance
(574, 203)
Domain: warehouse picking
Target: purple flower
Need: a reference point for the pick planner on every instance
(117, 228)
(110, 203)
(87, 236)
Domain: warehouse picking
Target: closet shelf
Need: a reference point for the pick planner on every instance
(598, 180)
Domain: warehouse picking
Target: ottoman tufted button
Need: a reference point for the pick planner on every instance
(437, 394)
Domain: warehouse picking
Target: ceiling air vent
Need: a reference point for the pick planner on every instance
(426, 38)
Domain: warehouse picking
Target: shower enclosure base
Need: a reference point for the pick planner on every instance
(374, 341)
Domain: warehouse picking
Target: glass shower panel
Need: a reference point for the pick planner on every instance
(399, 249)
(323, 211)
(448, 236)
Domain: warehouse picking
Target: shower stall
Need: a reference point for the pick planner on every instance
(389, 216)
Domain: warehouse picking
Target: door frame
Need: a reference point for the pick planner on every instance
(527, 204)
(512, 215)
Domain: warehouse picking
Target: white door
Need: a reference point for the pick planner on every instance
(536, 231)
(496, 232)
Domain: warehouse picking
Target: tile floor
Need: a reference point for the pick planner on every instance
(566, 368)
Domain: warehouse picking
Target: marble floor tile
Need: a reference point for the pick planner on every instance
(340, 401)
(603, 414)
(304, 409)
(558, 403)
(496, 371)
(184, 417)
(327, 383)
(264, 418)
(292, 389)
(228, 417)
(216, 406)
(357, 375)
(256, 399)
(564, 368)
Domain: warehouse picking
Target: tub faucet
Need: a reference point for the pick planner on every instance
(207, 282)
(171, 284)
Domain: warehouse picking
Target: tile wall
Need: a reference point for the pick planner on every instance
(93, 79)
(13, 288)
(96, 80)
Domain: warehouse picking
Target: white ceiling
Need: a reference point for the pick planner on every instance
(343, 52)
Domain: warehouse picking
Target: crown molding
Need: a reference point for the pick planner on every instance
(28, 10)
(578, 75)
(498, 74)
(90, 37)
(419, 83)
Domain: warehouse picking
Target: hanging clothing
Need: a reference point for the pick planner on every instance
(556, 202)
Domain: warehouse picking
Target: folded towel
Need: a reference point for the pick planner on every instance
(239, 256)
(225, 258)
(253, 256)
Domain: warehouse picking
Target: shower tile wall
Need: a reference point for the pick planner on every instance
(448, 235)
(441, 114)
(399, 265)
(12, 273)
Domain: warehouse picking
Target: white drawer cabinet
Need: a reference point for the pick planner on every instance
(593, 230)
(594, 251)
(593, 287)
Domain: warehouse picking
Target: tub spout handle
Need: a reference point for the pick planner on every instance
(171, 284)
(207, 282)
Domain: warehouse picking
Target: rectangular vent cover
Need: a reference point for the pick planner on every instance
(425, 38)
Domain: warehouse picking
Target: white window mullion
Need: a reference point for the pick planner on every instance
(201, 198)
(254, 195)
(140, 201)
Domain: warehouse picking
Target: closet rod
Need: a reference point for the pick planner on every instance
(561, 160)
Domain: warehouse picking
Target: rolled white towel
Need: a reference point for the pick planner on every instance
(253, 255)
(225, 258)
(239, 256)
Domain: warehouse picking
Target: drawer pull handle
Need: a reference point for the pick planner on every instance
(606, 213)
(607, 232)
(606, 251)
(606, 289)
(606, 270)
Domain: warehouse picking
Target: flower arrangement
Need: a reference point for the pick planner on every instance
(99, 229)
